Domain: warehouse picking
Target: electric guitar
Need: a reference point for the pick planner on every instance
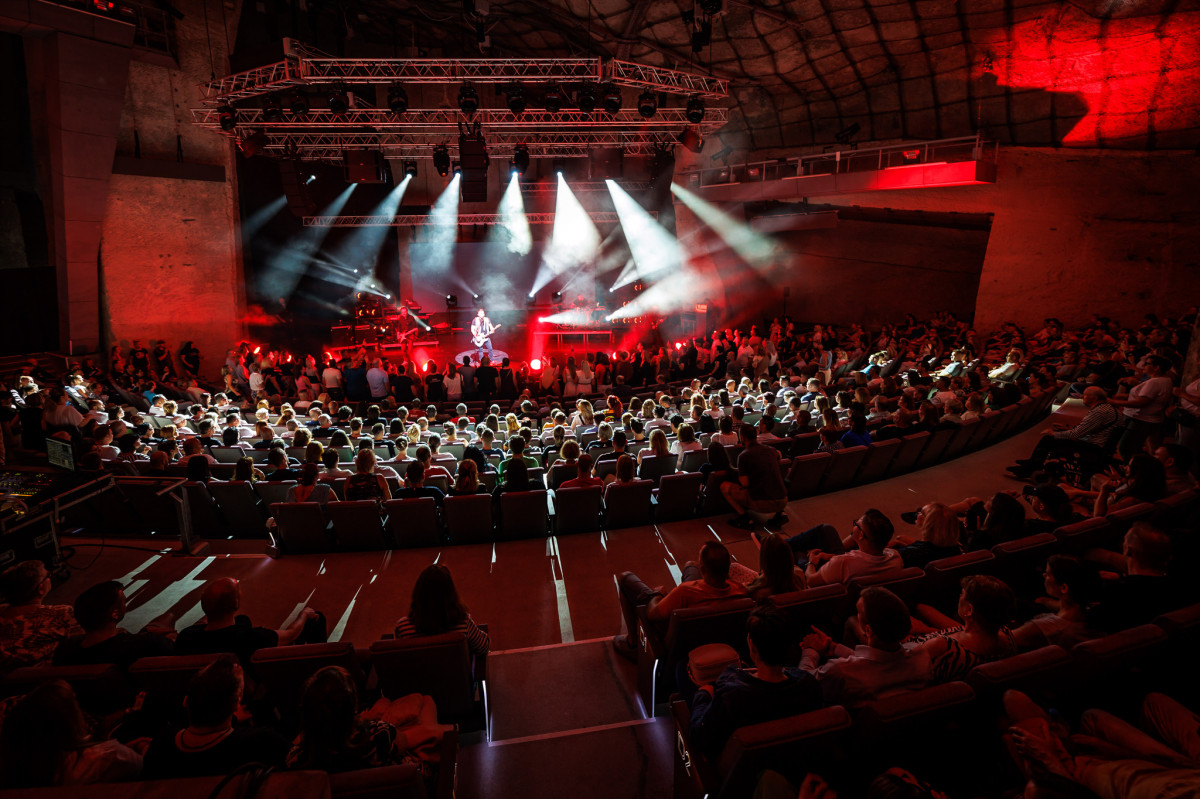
(482, 337)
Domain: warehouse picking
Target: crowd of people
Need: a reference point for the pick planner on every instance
(387, 429)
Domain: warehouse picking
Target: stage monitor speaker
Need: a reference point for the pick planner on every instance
(295, 187)
(365, 166)
(606, 164)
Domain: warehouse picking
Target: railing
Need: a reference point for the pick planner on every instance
(971, 148)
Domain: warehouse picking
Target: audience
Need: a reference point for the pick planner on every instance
(30, 631)
(435, 609)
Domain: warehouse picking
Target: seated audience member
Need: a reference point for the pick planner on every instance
(435, 609)
(99, 610)
(414, 484)
(760, 488)
(857, 435)
(46, 743)
(212, 743)
(871, 533)
(585, 478)
(999, 519)
(1051, 509)
(466, 481)
(1177, 463)
(986, 607)
(777, 572)
(278, 468)
(223, 630)
(333, 737)
(741, 697)
(625, 474)
(699, 584)
(1143, 591)
(880, 667)
(332, 467)
(1091, 435)
(245, 471)
(424, 456)
(1109, 757)
(365, 483)
(309, 489)
(686, 442)
(1072, 588)
(725, 435)
(30, 630)
(938, 534)
(516, 449)
(1145, 481)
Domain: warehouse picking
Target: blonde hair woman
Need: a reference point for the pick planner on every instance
(938, 536)
(657, 449)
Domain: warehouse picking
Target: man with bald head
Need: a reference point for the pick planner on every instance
(224, 630)
(1091, 435)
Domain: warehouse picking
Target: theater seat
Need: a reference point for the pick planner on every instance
(811, 607)
(100, 688)
(905, 583)
(165, 680)
(914, 727)
(1029, 672)
(469, 519)
(677, 495)
(805, 474)
(523, 514)
(357, 525)
(283, 670)
(301, 528)
(577, 510)
(627, 505)
(439, 666)
(943, 578)
(413, 522)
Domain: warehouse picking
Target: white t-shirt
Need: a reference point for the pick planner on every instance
(331, 378)
(1159, 390)
(857, 563)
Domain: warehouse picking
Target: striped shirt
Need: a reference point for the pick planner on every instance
(477, 640)
(1095, 427)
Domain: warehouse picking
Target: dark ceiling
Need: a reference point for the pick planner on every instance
(1110, 74)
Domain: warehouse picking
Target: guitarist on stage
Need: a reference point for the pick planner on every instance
(404, 331)
(481, 333)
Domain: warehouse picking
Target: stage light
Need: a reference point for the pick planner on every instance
(695, 111)
(559, 165)
(690, 139)
(520, 159)
(425, 368)
(474, 296)
(611, 99)
(441, 159)
(468, 99)
(339, 101)
(586, 98)
(516, 98)
(678, 346)
(272, 109)
(298, 103)
(552, 99)
(410, 169)
(397, 99)
(311, 179)
(531, 295)
(227, 117)
(456, 167)
(647, 104)
(258, 349)
(451, 301)
(536, 364)
(558, 296)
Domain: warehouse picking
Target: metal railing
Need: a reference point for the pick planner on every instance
(969, 148)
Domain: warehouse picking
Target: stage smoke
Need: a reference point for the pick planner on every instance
(286, 267)
(361, 248)
(444, 227)
(655, 250)
(513, 221)
(261, 217)
(759, 251)
(574, 239)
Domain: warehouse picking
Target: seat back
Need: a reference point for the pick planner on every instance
(1087, 534)
(1029, 672)
(301, 528)
(206, 516)
(911, 447)
(440, 482)
(805, 474)
(100, 688)
(605, 467)
(357, 525)
(273, 491)
(627, 505)
(712, 501)
(792, 746)
(382, 782)
(561, 474)
(413, 522)
(722, 622)
(1123, 519)
(283, 670)
(1102, 659)
(228, 454)
(240, 507)
(805, 444)
(943, 578)
(904, 583)
(654, 467)
(438, 666)
(934, 451)
(677, 495)
(812, 606)
(916, 718)
(165, 681)
(577, 510)
(469, 519)
(523, 514)
(877, 460)
(1173, 511)
(958, 443)
(693, 460)
(155, 506)
(1017, 561)
(843, 467)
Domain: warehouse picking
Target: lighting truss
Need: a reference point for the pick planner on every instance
(421, 220)
(447, 119)
(305, 66)
(331, 146)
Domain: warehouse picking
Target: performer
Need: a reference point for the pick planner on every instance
(405, 330)
(481, 333)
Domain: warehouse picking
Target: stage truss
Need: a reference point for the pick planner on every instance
(321, 135)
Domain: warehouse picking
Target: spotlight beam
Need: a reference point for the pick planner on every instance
(443, 218)
(361, 248)
(288, 265)
(654, 249)
(759, 251)
(574, 240)
(513, 220)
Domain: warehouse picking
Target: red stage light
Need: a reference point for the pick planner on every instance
(257, 350)
(535, 364)
(425, 368)
(678, 345)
